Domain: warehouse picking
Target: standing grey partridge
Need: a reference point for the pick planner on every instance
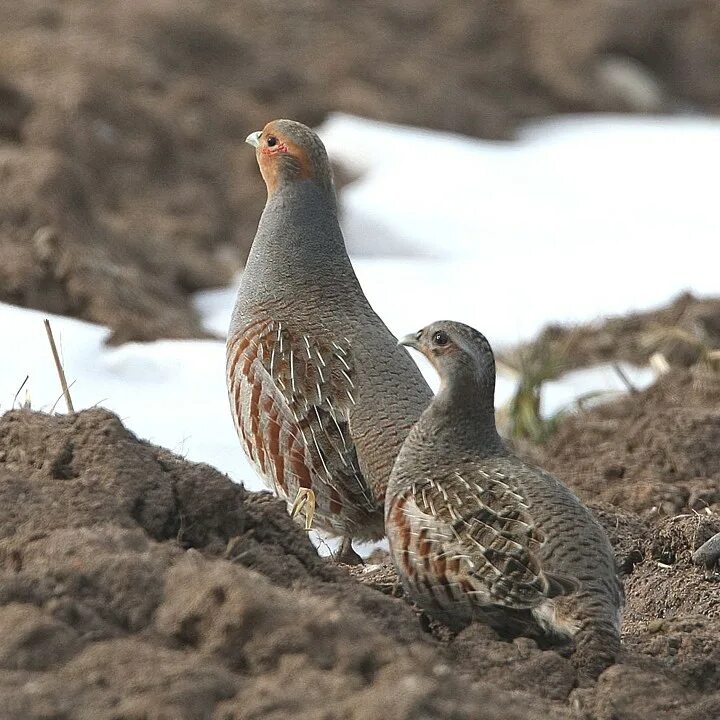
(477, 534)
(321, 394)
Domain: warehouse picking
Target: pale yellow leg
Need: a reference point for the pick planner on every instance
(305, 499)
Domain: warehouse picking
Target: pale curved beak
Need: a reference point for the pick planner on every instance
(410, 340)
(254, 138)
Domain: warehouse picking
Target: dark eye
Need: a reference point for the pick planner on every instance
(272, 141)
(440, 338)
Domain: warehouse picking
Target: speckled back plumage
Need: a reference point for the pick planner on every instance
(476, 533)
(321, 395)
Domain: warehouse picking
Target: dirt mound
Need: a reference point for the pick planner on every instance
(125, 181)
(135, 584)
(653, 452)
(684, 332)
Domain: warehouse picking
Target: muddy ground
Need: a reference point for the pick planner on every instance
(124, 181)
(134, 584)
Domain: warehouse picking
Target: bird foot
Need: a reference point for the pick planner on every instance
(304, 500)
(346, 554)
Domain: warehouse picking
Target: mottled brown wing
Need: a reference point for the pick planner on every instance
(472, 533)
(290, 395)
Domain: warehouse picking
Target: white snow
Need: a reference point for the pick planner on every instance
(579, 218)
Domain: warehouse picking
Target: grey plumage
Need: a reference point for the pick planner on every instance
(321, 395)
(476, 533)
(708, 554)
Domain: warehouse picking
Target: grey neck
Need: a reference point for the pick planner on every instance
(299, 246)
(463, 412)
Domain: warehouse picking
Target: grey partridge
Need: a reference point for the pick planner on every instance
(321, 394)
(478, 534)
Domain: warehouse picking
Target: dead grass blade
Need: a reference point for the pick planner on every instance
(27, 377)
(58, 365)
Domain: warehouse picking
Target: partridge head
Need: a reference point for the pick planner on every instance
(456, 351)
(465, 364)
(287, 152)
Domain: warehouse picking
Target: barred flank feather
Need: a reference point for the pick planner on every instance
(469, 535)
(290, 394)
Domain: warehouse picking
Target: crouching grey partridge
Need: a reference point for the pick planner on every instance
(477, 534)
(321, 394)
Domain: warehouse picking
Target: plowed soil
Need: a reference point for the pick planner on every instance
(134, 584)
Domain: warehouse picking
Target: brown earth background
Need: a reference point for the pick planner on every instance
(124, 181)
(135, 585)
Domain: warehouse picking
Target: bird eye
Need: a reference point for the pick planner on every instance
(272, 141)
(440, 338)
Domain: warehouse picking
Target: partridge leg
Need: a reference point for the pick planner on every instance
(346, 554)
(305, 499)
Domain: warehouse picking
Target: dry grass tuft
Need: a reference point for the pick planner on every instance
(532, 365)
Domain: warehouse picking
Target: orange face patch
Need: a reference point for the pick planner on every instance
(281, 147)
(284, 161)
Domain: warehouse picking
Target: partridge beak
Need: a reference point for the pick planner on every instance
(411, 340)
(254, 138)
